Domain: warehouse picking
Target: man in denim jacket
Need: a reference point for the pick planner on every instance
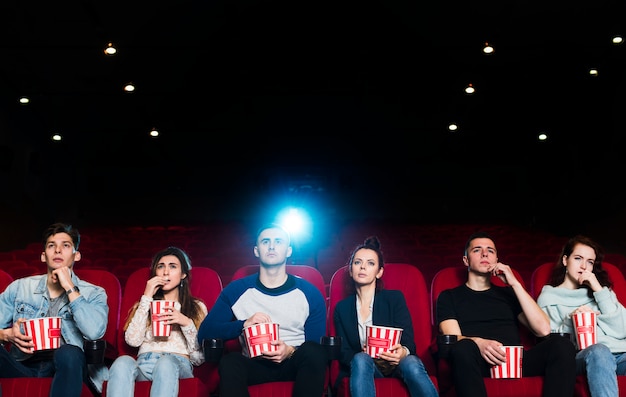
(82, 307)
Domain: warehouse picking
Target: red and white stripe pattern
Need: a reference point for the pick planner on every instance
(259, 336)
(45, 331)
(512, 368)
(160, 328)
(380, 339)
(585, 325)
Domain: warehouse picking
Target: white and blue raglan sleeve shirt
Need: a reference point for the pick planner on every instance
(297, 306)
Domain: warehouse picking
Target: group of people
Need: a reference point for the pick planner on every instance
(483, 317)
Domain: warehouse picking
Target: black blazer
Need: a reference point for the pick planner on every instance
(390, 310)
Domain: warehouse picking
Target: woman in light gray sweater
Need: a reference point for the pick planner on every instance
(578, 284)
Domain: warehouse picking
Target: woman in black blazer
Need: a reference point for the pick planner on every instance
(372, 305)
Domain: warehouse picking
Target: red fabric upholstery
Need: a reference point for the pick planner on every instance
(541, 276)
(19, 268)
(309, 273)
(40, 387)
(454, 276)
(206, 284)
(32, 387)
(111, 285)
(273, 389)
(408, 279)
(5, 279)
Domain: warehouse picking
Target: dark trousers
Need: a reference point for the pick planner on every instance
(552, 358)
(67, 367)
(307, 368)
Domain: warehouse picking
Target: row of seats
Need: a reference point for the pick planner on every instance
(428, 264)
(420, 296)
(226, 247)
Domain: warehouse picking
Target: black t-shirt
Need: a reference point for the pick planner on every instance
(490, 314)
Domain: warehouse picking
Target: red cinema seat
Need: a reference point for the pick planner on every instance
(397, 276)
(541, 276)
(40, 387)
(530, 386)
(206, 285)
(278, 389)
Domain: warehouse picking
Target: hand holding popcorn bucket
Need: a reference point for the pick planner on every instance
(512, 368)
(585, 326)
(45, 331)
(380, 339)
(159, 327)
(259, 337)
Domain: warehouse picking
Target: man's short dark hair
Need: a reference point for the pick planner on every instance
(474, 236)
(62, 228)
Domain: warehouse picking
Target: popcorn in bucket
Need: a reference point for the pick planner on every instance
(380, 339)
(45, 331)
(585, 325)
(259, 337)
(159, 328)
(512, 368)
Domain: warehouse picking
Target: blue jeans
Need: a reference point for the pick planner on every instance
(68, 368)
(163, 369)
(602, 368)
(411, 371)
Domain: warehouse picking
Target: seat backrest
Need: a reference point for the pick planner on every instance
(397, 276)
(19, 268)
(5, 280)
(6, 256)
(308, 273)
(138, 262)
(541, 276)
(111, 285)
(206, 284)
(108, 262)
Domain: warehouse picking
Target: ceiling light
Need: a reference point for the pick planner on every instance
(56, 137)
(130, 87)
(469, 89)
(110, 50)
(24, 100)
(154, 133)
(618, 39)
(593, 72)
(488, 49)
(453, 127)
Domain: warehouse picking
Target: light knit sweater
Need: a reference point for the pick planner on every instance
(182, 340)
(560, 302)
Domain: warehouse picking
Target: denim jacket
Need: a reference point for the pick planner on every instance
(84, 318)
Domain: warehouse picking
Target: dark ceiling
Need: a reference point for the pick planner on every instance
(341, 96)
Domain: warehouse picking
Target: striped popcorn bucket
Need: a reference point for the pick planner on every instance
(259, 336)
(45, 331)
(585, 325)
(512, 368)
(159, 328)
(380, 339)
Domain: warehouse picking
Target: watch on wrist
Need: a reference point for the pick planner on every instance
(74, 288)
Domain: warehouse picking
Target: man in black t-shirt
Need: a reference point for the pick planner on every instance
(485, 317)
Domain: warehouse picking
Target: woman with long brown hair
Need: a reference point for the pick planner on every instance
(163, 360)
